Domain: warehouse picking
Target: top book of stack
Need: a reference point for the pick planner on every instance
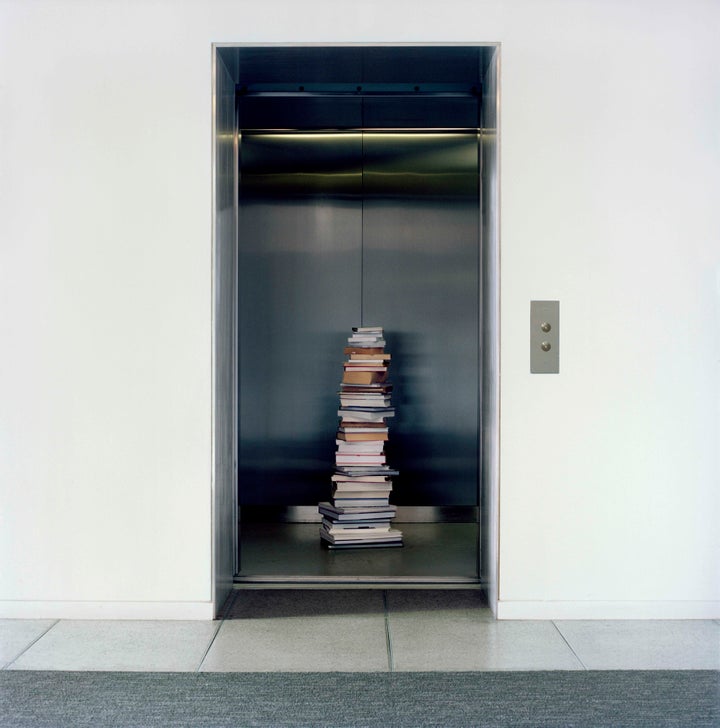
(367, 339)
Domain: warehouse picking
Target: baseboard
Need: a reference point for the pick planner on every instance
(105, 610)
(608, 610)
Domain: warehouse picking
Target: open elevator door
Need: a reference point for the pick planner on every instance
(359, 209)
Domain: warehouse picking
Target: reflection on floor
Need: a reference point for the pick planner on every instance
(442, 551)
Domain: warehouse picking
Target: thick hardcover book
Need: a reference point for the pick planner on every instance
(341, 513)
(362, 436)
(365, 356)
(363, 349)
(363, 377)
(360, 502)
(390, 537)
(369, 536)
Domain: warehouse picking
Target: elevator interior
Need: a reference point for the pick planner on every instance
(359, 200)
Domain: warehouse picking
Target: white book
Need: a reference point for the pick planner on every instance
(385, 536)
(379, 488)
(373, 447)
(362, 459)
(357, 401)
(351, 430)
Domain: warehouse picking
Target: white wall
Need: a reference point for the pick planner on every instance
(610, 171)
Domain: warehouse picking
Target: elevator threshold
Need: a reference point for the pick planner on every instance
(287, 554)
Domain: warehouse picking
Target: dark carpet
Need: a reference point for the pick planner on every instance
(594, 698)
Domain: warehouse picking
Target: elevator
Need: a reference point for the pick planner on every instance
(358, 188)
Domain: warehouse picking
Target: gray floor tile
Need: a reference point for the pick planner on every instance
(644, 644)
(453, 631)
(120, 645)
(301, 631)
(17, 635)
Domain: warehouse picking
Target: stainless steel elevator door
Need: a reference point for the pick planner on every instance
(339, 229)
(299, 287)
(421, 281)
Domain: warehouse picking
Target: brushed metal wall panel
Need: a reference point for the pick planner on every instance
(225, 284)
(300, 112)
(299, 292)
(490, 287)
(420, 112)
(421, 282)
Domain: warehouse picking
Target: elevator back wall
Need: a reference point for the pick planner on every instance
(347, 229)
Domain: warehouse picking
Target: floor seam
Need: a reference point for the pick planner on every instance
(570, 647)
(221, 621)
(388, 636)
(23, 651)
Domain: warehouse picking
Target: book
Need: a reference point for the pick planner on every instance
(362, 490)
(360, 400)
(363, 426)
(365, 470)
(384, 387)
(366, 545)
(340, 478)
(363, 377)
(344, 513)
(363, 350)
(362, 502)
(391, 537)
(369, 447)
(362, 436)
(331, 526)
(364, 366)
(365, 414)
(351, 460)
(365, 356)
(336, 535)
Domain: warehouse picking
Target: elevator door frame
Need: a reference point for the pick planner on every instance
(489, 337)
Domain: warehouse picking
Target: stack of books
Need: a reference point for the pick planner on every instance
(360, 512)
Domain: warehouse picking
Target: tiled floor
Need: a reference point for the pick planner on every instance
(356, 630)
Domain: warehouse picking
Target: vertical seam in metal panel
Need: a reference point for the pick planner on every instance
(362, 215)
(236, 340)
(480, 348)
(362, 194)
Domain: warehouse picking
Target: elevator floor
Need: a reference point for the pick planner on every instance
(433, 553)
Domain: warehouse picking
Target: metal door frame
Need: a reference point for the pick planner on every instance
(489, 317)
